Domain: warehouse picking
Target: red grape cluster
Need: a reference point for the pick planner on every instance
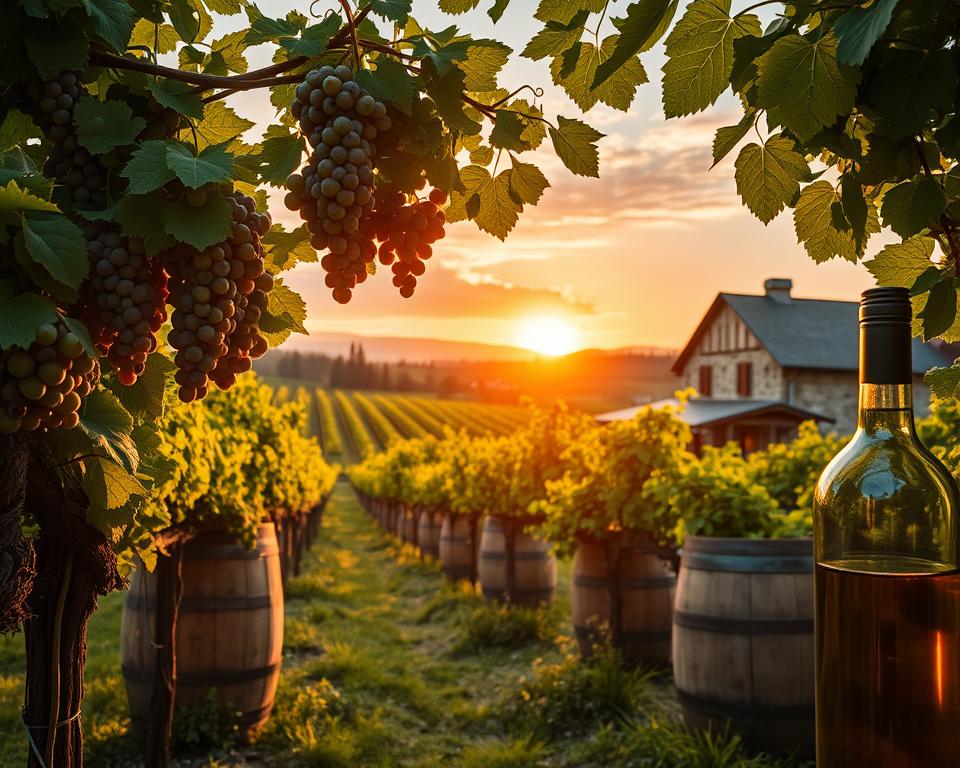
(334, 191)
(218, 296)
(43, 386)
(125, 300)
(406, 232)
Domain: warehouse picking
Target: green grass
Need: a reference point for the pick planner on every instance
(386, 666)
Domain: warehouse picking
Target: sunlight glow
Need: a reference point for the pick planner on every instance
(551, 336)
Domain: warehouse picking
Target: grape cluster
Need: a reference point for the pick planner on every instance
(124, 300)
(218, 296)
(334, 191)
(43, 386)
(80, 176)
(406, 232)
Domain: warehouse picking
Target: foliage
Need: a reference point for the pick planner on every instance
(498, 625)
(572, 697)
(713, 495)
(601, 491)
(789, 471)
(329, 432)
(859, 103)
(362, 443)
(516, 753)
(385, 431)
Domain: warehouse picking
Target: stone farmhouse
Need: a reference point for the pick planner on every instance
(763, 364)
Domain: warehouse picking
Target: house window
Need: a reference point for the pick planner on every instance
(744, 379)
(706, 380)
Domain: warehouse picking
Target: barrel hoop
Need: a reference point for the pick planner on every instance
(631, 637)
(601, 582)
(205, 679)
(752, 710)
(205, 604)
(503, 594)
(748, 547)
(229, 552)
(524, 556)
(735, 626)
(705, 561)
(255, 715)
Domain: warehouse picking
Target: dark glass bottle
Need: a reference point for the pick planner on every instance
(887, 576)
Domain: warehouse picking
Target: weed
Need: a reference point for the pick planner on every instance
(516, 753)
(500, 625)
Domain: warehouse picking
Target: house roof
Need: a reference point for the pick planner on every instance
(704, 411)
(802, 333)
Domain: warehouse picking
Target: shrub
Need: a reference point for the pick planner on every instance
(572, 697)
(500, 625)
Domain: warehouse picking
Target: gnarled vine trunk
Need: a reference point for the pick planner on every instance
(75, 565)
(17, 557)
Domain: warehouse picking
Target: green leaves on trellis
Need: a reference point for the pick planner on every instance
(768, 176)
(158, 162)
(575, 143)
(105, 125)
(900, 264)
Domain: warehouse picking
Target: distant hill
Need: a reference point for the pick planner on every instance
(392, 349)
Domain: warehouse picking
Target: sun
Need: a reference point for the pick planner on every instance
(551, 336)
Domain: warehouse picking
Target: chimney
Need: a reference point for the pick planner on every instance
(778, 289)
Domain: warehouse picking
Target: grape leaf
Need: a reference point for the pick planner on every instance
(575, 145)
(482, 155)
(285, 313)
(185, 19)
(446, 92)
(484, 60)
(228, 51)
(200, 227)
(108, 425)
(854, 206)
(821, 226)
(15, 129)
(279, 155)
(456, 7)
(507, 132)
(940, 310)
(728, 137)
(944, 382)
(176, 96)
(394, 10)
(768, 177)
(498, 212)
(113, 20)
(285, 249)
(859, 28)
(14, 198)
(108, 487)
(146, 395)
(912, 206)
(643, 25)
(900, 264)
(562, 11)
(391, 82)
(105, 125)
(212, 165)
(147, 168)
(908, 85)
(496, 10)
(616, 91)
(57, 244)
(555, 38)
(801, 85)
(313, 40)
(21, 315)
(264, 30)
(147, 32)
(220, 125)
(700, 51)
(527, 182)
(225, 7)
(143, 216)
(53, 48)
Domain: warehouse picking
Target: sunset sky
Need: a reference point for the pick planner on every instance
(633, 258)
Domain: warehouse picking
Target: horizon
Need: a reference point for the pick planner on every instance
(656, 193)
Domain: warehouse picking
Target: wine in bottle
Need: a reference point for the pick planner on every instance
(887, 574)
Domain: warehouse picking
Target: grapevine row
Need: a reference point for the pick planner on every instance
(359, 436)
(329, 432)
(406, 425)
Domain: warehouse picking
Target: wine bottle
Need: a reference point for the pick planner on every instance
(887, 576)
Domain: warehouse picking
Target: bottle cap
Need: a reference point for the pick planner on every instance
(885, 305)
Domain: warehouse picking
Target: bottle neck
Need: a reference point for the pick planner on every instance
(887, 407)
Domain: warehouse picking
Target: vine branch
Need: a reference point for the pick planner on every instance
(55, 662)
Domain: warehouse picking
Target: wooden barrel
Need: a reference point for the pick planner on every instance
(399, 519)
(428, 533)
(458, 547)
(410, 520)
(628, 588)
(229, 634)
(743, 639)
(514, 566)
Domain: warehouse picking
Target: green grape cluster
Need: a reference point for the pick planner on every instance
(334, 191)
(124, 299)
(43, 386)
(219, 295)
